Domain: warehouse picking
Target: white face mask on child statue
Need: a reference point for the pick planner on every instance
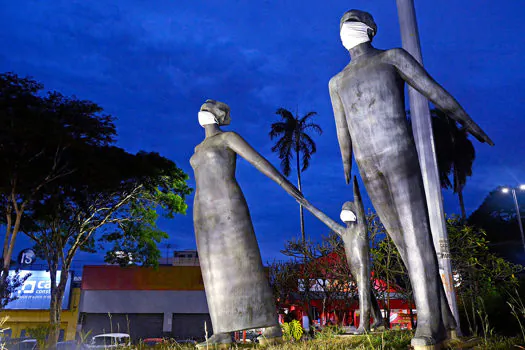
(353, 34)
(347, 216)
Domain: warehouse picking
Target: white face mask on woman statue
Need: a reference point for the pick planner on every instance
(354, 33)
(206, 118)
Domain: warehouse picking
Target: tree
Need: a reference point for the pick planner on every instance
(479, 274)
(318, 271)
(294, 142)
(389, 270)
(496, 216)
(455, 154)
(10, 286)
(41, 137)
(114, 193)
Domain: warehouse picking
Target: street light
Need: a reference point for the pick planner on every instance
(513, 190)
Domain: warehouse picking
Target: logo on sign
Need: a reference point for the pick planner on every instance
(26, 257)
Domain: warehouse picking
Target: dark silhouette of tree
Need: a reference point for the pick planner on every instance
(294, 142)
(497, 217)
(455, 154)
(66, 186)
(41, 138)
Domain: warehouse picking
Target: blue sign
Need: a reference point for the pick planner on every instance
(35, 293)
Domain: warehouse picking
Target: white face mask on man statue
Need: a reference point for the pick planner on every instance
(354, 33)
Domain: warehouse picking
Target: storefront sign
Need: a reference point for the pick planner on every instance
(35, 293)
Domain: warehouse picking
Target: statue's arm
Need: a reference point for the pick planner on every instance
(343, 134)
(417, 77)
(243, 148)
(339, 229)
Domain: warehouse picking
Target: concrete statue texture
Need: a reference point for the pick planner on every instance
(237, 289)
(357, 250)
(369, 109)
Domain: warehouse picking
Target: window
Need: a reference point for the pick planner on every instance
(61, 335)
(7, 334)
(23, 333)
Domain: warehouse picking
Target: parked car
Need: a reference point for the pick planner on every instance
(109, 341)
(25, 344)
(152, 342)
(68, 345)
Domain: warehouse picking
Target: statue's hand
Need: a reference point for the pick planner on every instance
(298, 196)
(479, 134)
(303, 202)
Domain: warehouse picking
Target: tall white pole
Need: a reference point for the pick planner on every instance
(518, 216)
(422, 128)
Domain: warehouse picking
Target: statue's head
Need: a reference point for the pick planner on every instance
(348, 213)
(360, 16)
(220, 110)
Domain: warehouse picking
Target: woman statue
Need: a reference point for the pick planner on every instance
(239, 296)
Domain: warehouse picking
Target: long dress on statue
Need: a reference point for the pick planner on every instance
(239, 296)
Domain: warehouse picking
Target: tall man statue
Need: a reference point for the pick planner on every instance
(369, 109)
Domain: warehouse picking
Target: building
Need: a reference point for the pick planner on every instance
(331, 302)
(168, 301)
(31, 309)
(181, 258)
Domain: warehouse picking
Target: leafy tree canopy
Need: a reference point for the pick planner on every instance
(497, 217)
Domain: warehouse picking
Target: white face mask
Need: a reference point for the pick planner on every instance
(353, 34)
(206, 118)
(347, 216)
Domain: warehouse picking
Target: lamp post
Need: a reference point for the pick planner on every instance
(422, 126)
(518, 215)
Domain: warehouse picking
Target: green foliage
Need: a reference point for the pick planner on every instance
(292, 330)
(42, 139)
(8, 287)
(40, 333)
(66, 186)
(482, 280)
(328, 332)
(496, 216)
(516, 303)
(479, 272)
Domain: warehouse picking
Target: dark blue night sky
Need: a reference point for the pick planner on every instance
(152, 64)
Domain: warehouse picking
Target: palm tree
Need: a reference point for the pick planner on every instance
(455, 154)
(294, 142)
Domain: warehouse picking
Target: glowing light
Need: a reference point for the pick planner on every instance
(522, 187)
(505, 190)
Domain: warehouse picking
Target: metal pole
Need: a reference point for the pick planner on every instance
(519, 216)
(422, 128)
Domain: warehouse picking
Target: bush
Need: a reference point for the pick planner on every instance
(292, 330)
(329, 332)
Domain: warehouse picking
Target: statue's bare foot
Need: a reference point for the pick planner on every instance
(217, 341)
(452, 334)
(271, 335)
(424, 339)
(377, 326)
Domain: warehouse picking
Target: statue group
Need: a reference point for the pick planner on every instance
(369, 109)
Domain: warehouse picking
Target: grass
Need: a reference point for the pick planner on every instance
(391, 340)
